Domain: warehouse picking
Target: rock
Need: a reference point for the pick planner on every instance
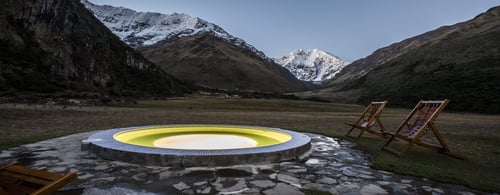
(322, 172)
(400, 188)
(188, 191)
(406, 181)
(263, 183)
(384, 183)
(200, 183)
(181, 186)
(167, 174)
(372, 189)
(385, 172)
(86, 176)
(154, 171)
(204, 191)
(58, 169)
(288, 179)
(237, 188)
(315, 186)
(5, 154)
(366, 176)
(337, 164)
(438, 190)
(327, 180)
(348, 171)
(347, 187)
(97, 181)
(252, 191)
(297, 170)
(315, 162)
(309, 177)
(433, 190)
(104, 179)
(386, 177)
(101, 167)
(282, 188)
(113, 190)
(140, 177)
(360, 170)
(321, 187)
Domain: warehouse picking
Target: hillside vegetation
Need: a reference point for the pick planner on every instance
(459, 62)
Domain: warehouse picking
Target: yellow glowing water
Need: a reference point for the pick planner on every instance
(205, 141)
(202, 137)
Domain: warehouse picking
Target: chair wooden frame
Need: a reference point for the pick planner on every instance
(428, 111)
(369, 118)
(16, 179)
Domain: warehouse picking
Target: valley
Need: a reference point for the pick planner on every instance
(72, 66)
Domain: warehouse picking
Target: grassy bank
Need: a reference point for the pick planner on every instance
(475, 136)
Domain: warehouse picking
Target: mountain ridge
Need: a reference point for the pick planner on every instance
(461, 64)
(58, 47)
(210, 62)
(140, 29)
(362, 66)
(197, 52)
(312, 64)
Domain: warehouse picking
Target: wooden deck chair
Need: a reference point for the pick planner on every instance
(369, 119)
(422, 119)
(16, 179)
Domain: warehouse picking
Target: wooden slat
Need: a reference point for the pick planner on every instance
(430, 146)
(369, 118)
(2, 191)
(38, 173)
(434, 101)
(56, 184)
(428, 111)
(7, 165)
(24, 177)
(15, 179)
(10, 188)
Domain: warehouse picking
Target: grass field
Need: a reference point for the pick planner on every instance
(474, 136)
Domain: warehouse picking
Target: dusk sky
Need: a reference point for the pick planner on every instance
(349, 29)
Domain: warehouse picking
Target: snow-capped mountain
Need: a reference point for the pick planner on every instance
(312, 64)
(139, 29)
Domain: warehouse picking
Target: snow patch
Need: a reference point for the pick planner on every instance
(312, 64)
(139, 29)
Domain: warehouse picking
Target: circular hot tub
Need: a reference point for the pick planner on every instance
(198, 145)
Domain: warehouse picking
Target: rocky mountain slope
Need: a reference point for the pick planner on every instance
(312, 64)
(139, 29)
(209, 61)
(362, 66)
(59, 47)
(195, 51)
(462, 63)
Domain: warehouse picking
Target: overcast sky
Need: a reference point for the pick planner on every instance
(349, 29)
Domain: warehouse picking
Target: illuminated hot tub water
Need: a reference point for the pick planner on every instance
(198, 145)
(205, 142)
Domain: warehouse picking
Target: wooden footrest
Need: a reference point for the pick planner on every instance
(19, 179)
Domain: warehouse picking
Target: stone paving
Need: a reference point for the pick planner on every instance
(333, 166)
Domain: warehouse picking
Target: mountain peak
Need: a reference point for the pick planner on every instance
(312, 64)
(139, 29)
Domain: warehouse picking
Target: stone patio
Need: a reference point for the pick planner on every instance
(333, 166)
